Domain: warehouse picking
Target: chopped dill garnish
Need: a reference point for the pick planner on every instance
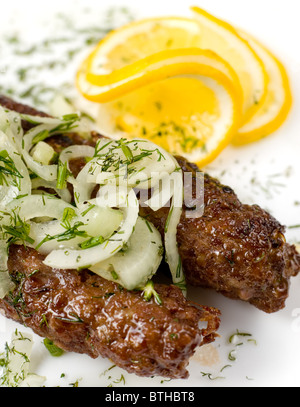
(92, 242)
(68, 215)
(69, 234)
(40, 136)
(62, 175)
(73, 318)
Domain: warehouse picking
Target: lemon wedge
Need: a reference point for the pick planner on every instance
(185, 100)
(274, 109)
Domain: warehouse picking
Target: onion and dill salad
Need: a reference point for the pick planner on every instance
(104, 232)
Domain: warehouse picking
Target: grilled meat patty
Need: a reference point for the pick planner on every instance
(238, 250)
(84, 313)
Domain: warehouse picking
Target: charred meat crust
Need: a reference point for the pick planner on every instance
(82, 312)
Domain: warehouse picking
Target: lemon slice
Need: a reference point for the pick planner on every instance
(224, 39)
(273, 111)
(187, 101)
(138, 40)
(199, 134)
(185, 84)
(151, 69)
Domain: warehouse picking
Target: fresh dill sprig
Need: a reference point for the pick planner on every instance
(111, 160)
(17, 231)
(8, 169)
(62, 175)
(69, 234)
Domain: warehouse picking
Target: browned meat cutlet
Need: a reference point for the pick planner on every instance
(238, 250)
(81, 312)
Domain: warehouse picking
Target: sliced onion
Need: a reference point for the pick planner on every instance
(108, 167)
(10, 124)
(43, 153)
(6, 284)
(5, 281)
(35, 206)
(3, 255)
(33, 380)
(47, 172)
(85, 257)
(133, 266)
(53, 126)
(37, 183)
(117, 166)
(18, 354)
(59, 105)
(76, 151)
(9, 192)
(52, 121)
(143, 172)
(39, 231)
(112, 196)
(96, 221)
(172, 254)
(84, 183)
(99, 220)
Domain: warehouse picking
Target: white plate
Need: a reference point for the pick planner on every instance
(266, 173)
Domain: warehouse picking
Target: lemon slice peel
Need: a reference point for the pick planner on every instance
(158, 67)
(274, 110)
(253, 70)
